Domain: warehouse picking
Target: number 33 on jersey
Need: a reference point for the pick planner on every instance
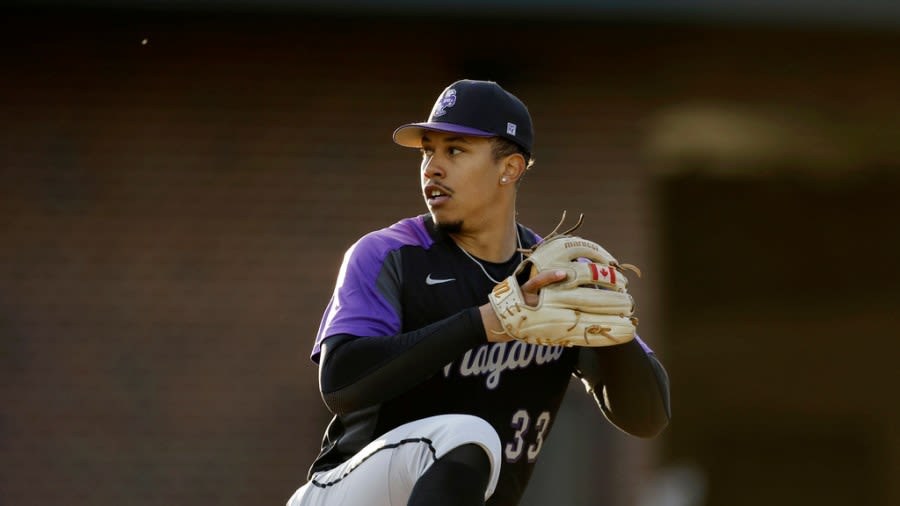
(522, 442)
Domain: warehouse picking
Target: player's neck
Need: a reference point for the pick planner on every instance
(494, 241)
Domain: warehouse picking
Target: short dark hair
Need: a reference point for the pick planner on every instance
(501, 147)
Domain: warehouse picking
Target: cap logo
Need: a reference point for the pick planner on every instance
(446, 101)
(511, 128)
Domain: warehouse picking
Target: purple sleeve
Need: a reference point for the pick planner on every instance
(360, 304)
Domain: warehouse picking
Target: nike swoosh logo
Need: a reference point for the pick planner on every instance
(436, 281)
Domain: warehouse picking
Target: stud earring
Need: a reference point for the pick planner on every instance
(503, 179)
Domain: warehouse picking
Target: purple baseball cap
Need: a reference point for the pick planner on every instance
(477, 109)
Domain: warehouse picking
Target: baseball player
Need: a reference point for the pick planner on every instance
(440, 394)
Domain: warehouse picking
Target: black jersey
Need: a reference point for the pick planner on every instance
(410, 275)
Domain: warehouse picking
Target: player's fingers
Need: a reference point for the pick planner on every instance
(543, 279)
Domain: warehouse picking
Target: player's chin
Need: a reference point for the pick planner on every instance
(445, 224)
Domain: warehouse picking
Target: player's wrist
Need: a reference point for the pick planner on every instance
(493, 330)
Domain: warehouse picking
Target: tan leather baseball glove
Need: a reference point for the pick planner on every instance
(590, 307)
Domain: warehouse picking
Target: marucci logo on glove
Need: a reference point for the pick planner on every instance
(581, 244)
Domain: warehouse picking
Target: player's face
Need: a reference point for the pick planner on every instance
(459, 179)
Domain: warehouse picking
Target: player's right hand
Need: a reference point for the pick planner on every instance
(532, 287)
(530, 291)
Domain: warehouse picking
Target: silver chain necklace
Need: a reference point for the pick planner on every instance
(481, 266)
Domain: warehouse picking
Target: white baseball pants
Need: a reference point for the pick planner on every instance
(385, 471)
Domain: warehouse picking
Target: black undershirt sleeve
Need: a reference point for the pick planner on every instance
(629, 384)
(358, 372)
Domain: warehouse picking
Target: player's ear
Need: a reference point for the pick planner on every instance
(511, 168)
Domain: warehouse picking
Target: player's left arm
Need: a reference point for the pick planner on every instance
(630, 385)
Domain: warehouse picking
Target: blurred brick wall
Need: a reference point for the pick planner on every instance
(173, 216)
(785, 359)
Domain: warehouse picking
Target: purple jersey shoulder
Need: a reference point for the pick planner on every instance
(357, 306)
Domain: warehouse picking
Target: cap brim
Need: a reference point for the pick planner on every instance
(410, 135)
